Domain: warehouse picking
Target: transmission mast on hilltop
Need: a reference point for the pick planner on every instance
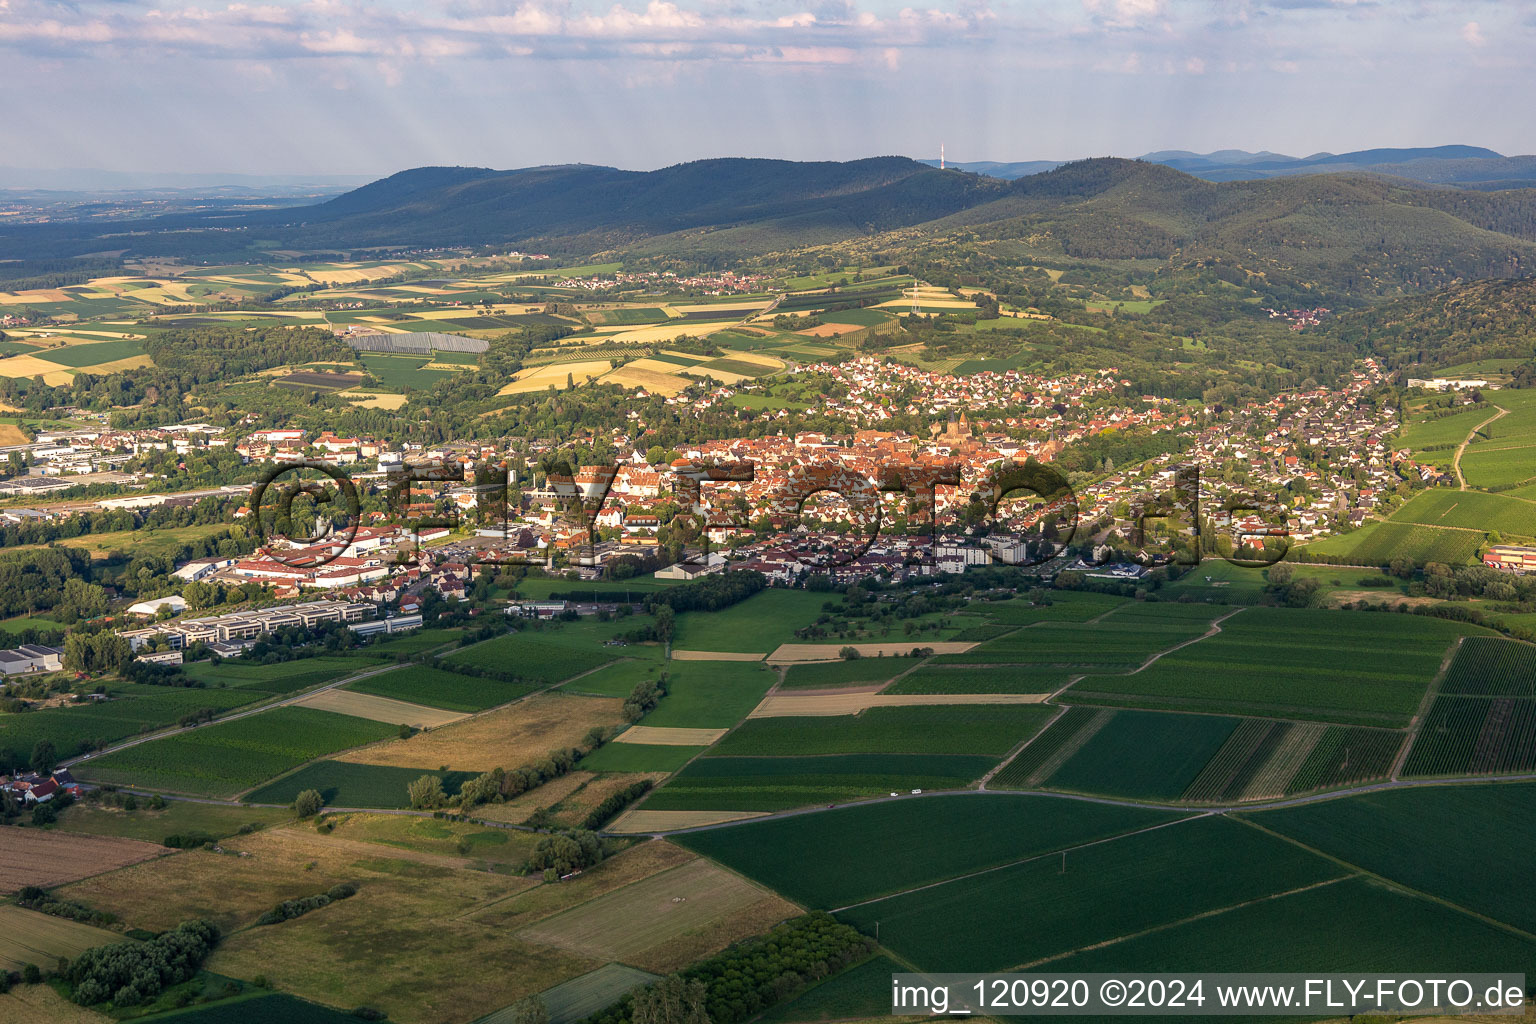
(941, 156)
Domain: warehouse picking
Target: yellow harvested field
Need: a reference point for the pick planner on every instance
(666, 332)
(666, 736)
(373, 399)
(648, 919)
(130, 363)
(50, 858)
(649, 822)
(787, 654)
(447, 366)
(652, 380)
(36, 295)
(759, 358)
(31, 366)
(709, 307)
(827, 705)
(505, 738)
(344, 274)
(381, 709)
(28, 937)
(10, 434)
(537, 378)
(678, 655)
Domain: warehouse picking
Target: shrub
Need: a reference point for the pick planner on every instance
(308, 803)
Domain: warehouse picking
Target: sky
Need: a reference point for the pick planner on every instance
(369, 87)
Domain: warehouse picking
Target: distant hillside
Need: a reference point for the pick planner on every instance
(1358, 234)
(1465, 323)
(586, 207)
(1466, 166)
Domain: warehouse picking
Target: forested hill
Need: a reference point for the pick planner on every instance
(1462, 324)
(1358, 235)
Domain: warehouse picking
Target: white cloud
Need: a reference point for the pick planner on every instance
(1472, 32)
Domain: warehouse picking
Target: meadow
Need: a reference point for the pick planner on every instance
(437, 688)
(1052, 905)
(177, 817)
(1368, 668)
(921, 840)
(711, 694)
(225, 758)
(548, 655)
(777, 783)
(959, 729)
(30, 937)
(345, 784)
(1430, 839)
(757, 625)
(402, 372)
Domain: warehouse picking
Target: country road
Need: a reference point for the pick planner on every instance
(1461, 481)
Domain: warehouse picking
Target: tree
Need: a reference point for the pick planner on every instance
(1280, 574)
(44, 757)
(426, 793)
(308, 803)
(672, 1000)
(848, 653)
(666, 623)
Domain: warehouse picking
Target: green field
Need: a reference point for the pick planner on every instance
(344, 784)
(1452, 430)
(223, 759)
(777, 783)
(581, 997)
(990, 679)
(1492, 667)
(1475, 736)
(1436, 839)
(134, 709)
(436, 688)
(547, 655)
(711, 694)
(637, 757)
(974, 832)
(1144, 755)
(862, 992)
(402, 372)
(832, 674)
(1378, 543)
(76, 356)
(1052, 905)
(618, 679)
(759, 624)
(1108, 644)
(1368, 668)
(1470, 510)
(1355, 925)
(257, 1007)
(282, 677)
(957, 729)
(1487, 466)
